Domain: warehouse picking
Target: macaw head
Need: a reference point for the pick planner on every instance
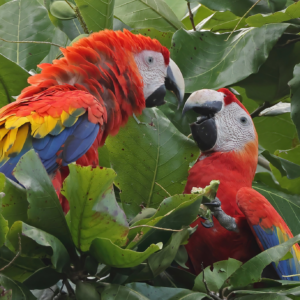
(223, 125)
(158, 71)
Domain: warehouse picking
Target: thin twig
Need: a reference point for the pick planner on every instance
(69, 288)
(12, 261)
(289, 42)
(81, 21)
(30, 42)
(242, 19)
(294, 275)
(259, 110)
(191, 16)
(163, 189)
(159, 228)
(70, 5)
(264, 163)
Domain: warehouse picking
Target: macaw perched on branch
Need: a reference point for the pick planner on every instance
(247, 223)
(77, 101)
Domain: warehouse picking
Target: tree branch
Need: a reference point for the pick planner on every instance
(191, 16)
(289, 42)
(259, 110)
(81, 21)
(264, 163)
(159, 228)
(12, 261)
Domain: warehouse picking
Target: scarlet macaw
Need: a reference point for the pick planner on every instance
(75, 102)
(246, 222)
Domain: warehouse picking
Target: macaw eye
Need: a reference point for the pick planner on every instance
(150, 59)
(244, 120)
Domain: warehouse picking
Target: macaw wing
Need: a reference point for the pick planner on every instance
(59, 124)
(269, 229)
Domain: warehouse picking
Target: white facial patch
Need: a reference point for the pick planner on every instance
(153, 70)
(235, 128)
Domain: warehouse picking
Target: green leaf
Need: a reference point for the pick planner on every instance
(19, 291)
(21, 268)
(71, 28)
(158, 262)
(94, 211)
(295, 97)
(215, 278)
(165, 293)
(85, 290)
(17, 26)
(149, 152)
(251, 271)
(222, 62)
(181, 257)
(269, 296)
(146, 14)
(7, 295)
(98, 15)
(43, 278)
(183, 215)
(119, 292)
(62, 10)
(60, 258)
(29, 247)
(164, 38)
(179, 7)
(277, 132)
(3, 225)
(14, 203)
(112, 255)
(291, 12)
(13, 79)
(292, 156)
(270, 83)
(239, 8)
(45, 211)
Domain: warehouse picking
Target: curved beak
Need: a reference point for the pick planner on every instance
(174, 81)
(206, 103)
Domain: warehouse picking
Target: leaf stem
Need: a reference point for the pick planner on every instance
(12, 261)
(30, 42)
(163, 189)
(70, 5)
(81, 21)
(242, 19)
(259, 110)
(159, 228)
(289, 42)
(191, 16)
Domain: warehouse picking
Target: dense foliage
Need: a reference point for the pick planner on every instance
(128, 221)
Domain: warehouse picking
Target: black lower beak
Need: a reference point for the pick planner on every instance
(157, 97)
(205, 133)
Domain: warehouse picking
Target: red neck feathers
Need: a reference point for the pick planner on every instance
(103, 65)
(234, 170)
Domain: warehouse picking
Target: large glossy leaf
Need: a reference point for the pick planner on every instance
(270, 83)
(251, 271)
(14, 203)
(277, 132)
(21, 268)
(295, 97)
(216, 277)
(207, 60)
(94, 211)
(13, 79)
(165, 293)
(148, 152)
(147, 13)
(110, 254)
(45, 211)
(98, 15)
(19, 291)
(16, 25)
(291, 12)
(60, 257)
(239, 8)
